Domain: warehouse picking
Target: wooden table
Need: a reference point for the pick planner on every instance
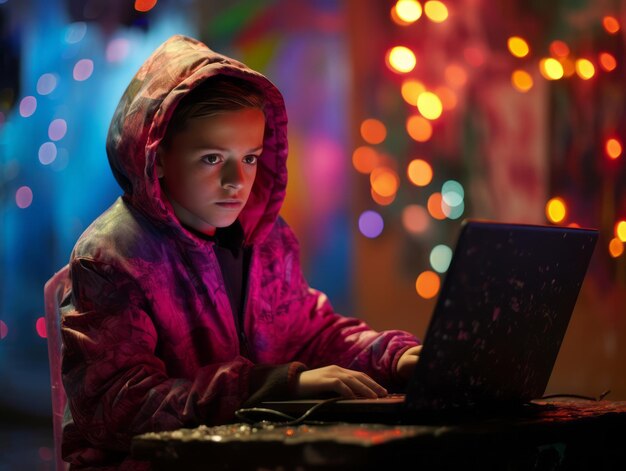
(566, 435)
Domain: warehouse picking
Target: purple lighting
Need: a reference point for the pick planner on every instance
(371, 224)
(83, 70)
(28, 105)
(23, 197)
(57, 129)
(117, 50)
(47, 153)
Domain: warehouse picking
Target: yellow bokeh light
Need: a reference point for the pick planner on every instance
(373, 131)
(401, 59)
(415, 219)
(436, 11)
(585, 69)
(419, 128)
(408, 11)
(420, 172)
(434, 205)
(613, 148)
(411, 89)
(455, 75)
(551, 68)
(521, 80)
(556, 210)
(384, 181)
(610, 24)
(427, 284)
(608, 63)
(518, 46)
(616, 247)
(429, 105)
(365, 159)
(620, 230)
(559, 49)
(569, 68)
(382, 200)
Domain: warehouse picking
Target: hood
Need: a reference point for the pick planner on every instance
(140, 120)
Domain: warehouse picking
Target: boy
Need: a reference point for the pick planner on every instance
(188, 301)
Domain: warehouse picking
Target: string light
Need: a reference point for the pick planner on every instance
(585, 69)
(556, 210)
(429, 105)
(420, 172)
(521, 80)
(409, 11)
(401, 59)
(613, 148)
(518, 46)
(616, 247)
(371, 224)
(620, 230)
(373, 131)
(436, 11)
(427, 284)
(551, 68)
(419, 128)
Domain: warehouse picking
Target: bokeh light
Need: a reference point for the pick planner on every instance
(455, 75)
(401, 59)
(585, 69)
(40, 326)
(57, 129)
(452, 193)
(436, 11)
(474, 55)
(419, 128)
(559, 48)
(551, 68)
(521, 80)
(145, 5)
(75, 32)
(371, 224)
(415, 219)
(82, 70)
(434, 205)
(607, 61)
(4, 330)
(373, 131)
(447, 96)
(365, 159)
(518, 46)
(46, 84)
(569, 67)
(420, 172)
(613, 148)
(556, 210)
(47, 153)
(28, 105)
(382, 200)
(610, 24)
(440, 258)
(117, 50)
(616, 247)
(620, 230)
(23, 197)
(410, 90)
(384, 181)
(429, 105)
(427, 284)
(408, 11)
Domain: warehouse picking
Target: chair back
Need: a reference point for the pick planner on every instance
(55, 290)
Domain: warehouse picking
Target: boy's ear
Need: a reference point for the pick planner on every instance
(158, 162)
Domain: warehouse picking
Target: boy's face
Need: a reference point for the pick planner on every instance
(208, 169)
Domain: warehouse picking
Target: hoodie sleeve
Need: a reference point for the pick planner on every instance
(116, 384)
(321, 337)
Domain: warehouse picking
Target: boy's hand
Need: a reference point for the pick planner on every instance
(341, 381)
(407, 362)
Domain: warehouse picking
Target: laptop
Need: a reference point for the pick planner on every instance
(496, 329)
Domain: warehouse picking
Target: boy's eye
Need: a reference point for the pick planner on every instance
(212, 159)
(250, 159)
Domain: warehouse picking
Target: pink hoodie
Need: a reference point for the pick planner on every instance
(150, 341)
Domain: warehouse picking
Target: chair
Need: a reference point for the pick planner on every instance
(55, 290)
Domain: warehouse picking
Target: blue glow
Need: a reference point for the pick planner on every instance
(440, 257)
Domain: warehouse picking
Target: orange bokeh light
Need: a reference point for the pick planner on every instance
(434, 205)
(616, 247)
(521, 80)
(373, 131)
(556, 210)
(415, 219)
(365, 159)
(382, 200)
(420, 172)
(608, 63)
(419, 128)
(455, 75)
(145, 5)
(518, 46)
(427, 284)
(384, 181)
(559, 48)
(447, 96)
(613, 148)
(410, 90)
(610, 24)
